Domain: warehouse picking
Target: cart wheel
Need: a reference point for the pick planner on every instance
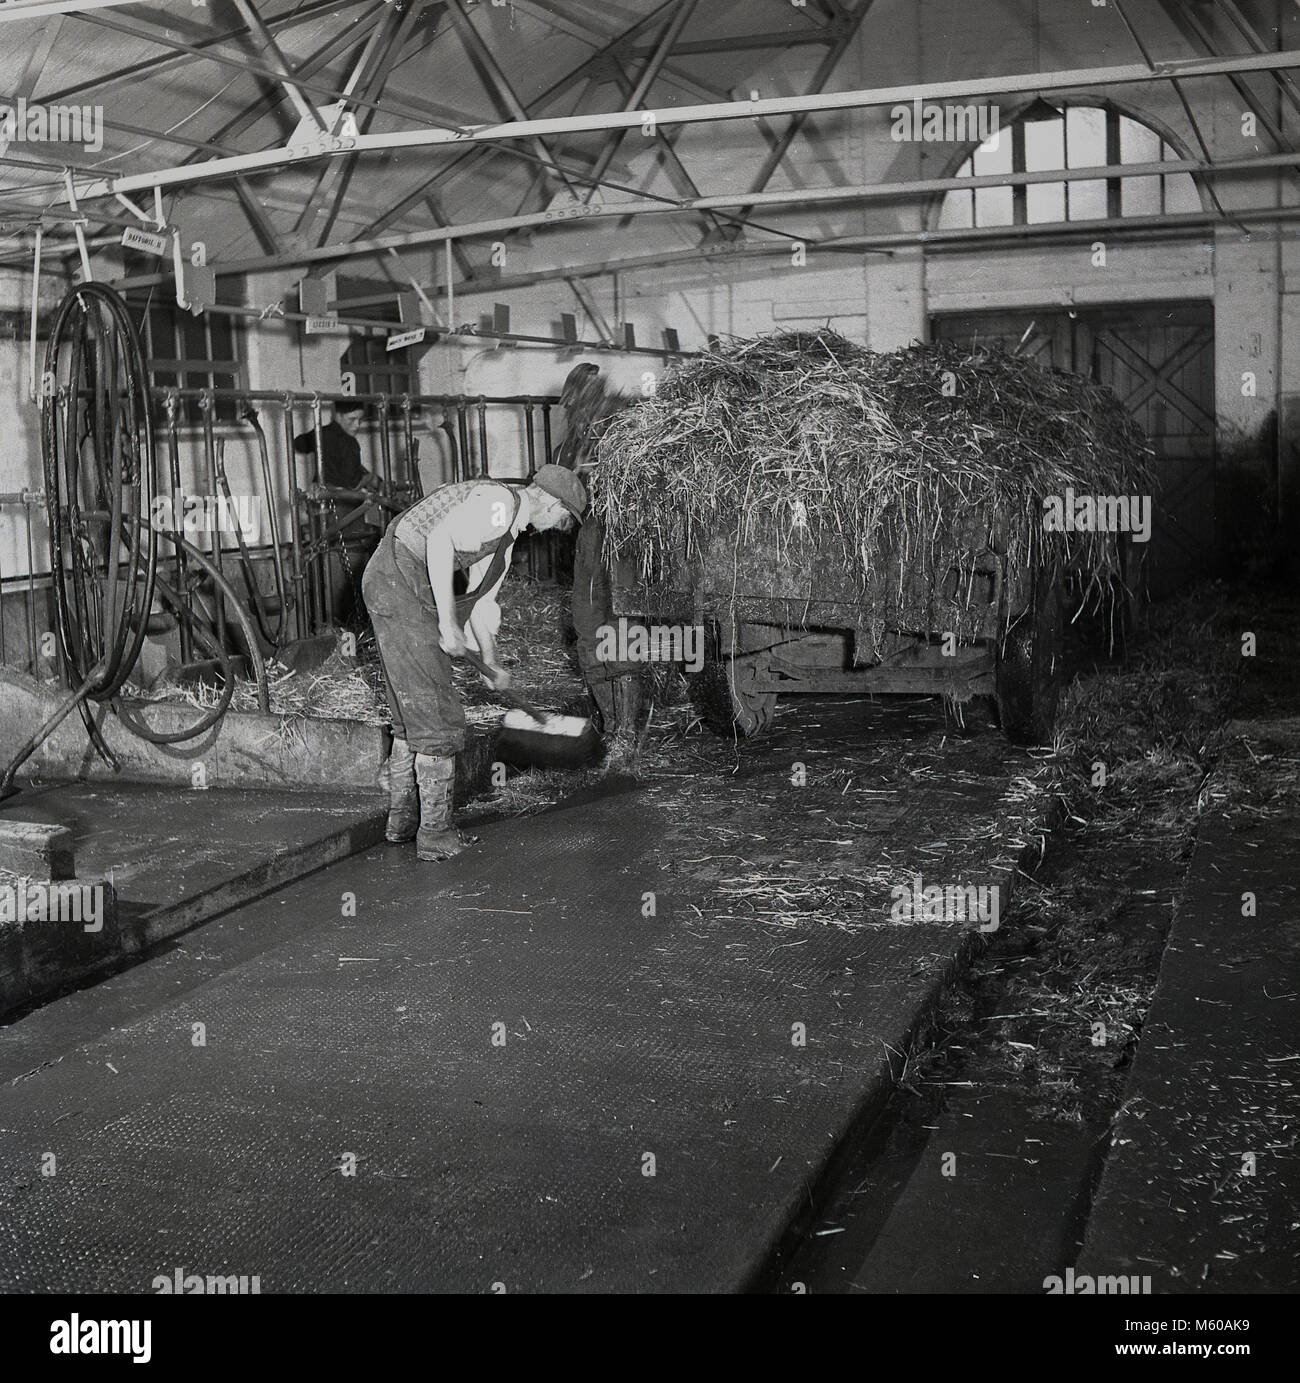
(1029, 667)
(725, 697)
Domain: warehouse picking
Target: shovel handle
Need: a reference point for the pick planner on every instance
(509, 697)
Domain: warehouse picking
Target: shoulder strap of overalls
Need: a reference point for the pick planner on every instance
(500, 556)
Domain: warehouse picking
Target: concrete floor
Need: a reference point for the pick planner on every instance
(501, 1070)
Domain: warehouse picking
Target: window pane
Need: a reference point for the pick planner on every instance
(223, 339)
(1085, 133)
(1044, 145)
(1181, 194)
(1087, 200)
(993, 206)
(1140, 196)
(194, 339)
(993, 157)
(1137, 144)
(162, 342)
(1045, 201)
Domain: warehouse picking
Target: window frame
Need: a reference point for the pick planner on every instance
(1015, 128)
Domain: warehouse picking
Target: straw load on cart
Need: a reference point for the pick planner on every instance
(798, 481)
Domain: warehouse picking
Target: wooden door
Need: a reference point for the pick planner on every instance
(1158, 358)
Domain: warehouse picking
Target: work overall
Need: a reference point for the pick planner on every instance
(426, 712)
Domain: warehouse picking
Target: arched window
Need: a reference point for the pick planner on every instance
(1046, 138)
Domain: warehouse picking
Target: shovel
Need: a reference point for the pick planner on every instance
(530, 738)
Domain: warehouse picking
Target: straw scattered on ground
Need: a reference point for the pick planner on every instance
(533, 645)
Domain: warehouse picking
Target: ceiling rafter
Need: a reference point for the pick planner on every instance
(153, 66)
(371, 66)
(395, 51)
(473, 157)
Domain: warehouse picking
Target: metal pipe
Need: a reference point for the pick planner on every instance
(295, 531)
(412, 468)
(462, 438)
(210, 457)
(31, 591)
(385, 452)
(484, 463)
(184, 626)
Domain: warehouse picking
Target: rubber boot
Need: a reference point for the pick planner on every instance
(403, 799)
(437, 839)
(627, 711)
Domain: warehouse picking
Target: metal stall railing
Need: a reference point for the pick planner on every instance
(24, 592)
(296, 561)
(322, 515)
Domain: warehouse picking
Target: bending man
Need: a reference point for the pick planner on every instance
(420, 625)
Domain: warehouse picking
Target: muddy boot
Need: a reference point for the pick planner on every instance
(403, 798)
(627, 711)
(437, 839)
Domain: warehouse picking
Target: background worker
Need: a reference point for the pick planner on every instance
(340, 467)
(420, 625)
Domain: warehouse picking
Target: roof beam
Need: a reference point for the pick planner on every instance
(266, 38)
(153, 66)
(589, 67)
(40, 9)
(786, 38)
(825, 71)
(645, 80)
(1023, 83)
(498, 85)
(798, 197)
(389, 34)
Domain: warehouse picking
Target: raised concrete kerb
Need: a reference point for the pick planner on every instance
(243, 750)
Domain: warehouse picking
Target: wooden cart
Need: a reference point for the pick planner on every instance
(780, 623)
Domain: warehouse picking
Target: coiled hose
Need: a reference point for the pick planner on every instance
(97, 444)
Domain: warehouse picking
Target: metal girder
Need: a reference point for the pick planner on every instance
(1192, 25)
(40, 9)
(473, 156)
(1181, 226)
(383, 49)
(825, 70)
(1247, 30)
(410, 110)
(1024, 83)
(589, 34)
(645, 80)
(266, 38)
(665, 151)
(304, 71)
(498, 85)
(38, 57)
(155, 65)
(590, 306)
(740, 43)
(798, 197)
